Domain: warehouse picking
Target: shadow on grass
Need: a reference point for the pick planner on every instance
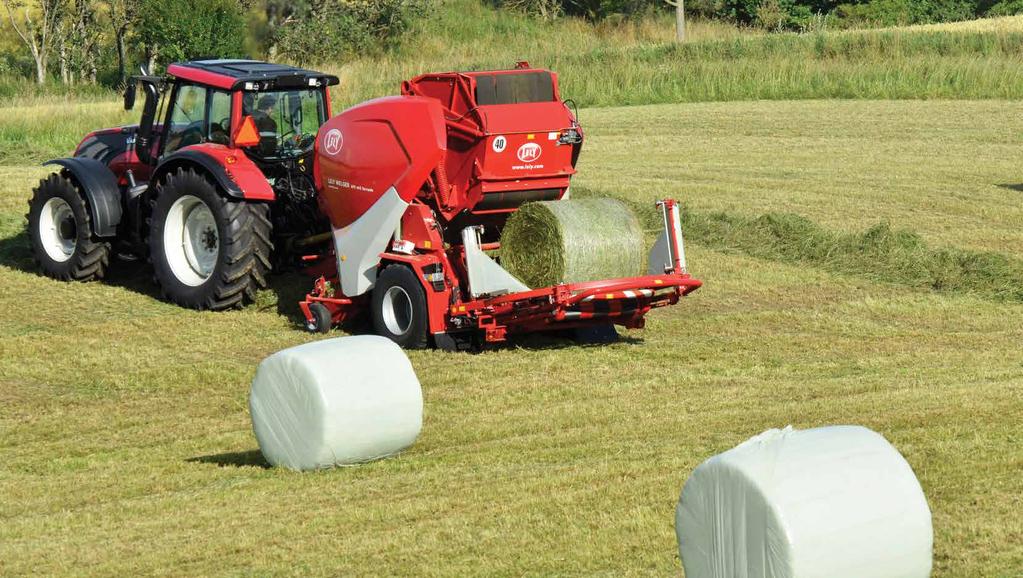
(285, 291)
(249, 459)
(599, 336)
(283, 294)
(16, 254)
(1012, 187)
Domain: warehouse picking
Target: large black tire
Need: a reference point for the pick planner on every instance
(399, 307)
(60, 232)
(223, 256)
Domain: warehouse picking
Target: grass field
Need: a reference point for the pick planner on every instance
(127, 450)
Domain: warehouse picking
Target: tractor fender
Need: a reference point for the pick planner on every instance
(102, 195)
(236, 174)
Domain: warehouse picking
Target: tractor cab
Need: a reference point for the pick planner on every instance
(270, 111)
(213, 185)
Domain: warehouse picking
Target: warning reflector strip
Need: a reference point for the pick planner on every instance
(620, 295)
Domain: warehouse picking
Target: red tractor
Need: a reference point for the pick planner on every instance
(217, 173)
(392, 204)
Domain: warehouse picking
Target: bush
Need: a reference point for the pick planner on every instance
(543, 9)
(1006, 8)
(334, 29)
(903, 12)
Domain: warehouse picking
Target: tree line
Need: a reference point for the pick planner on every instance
(103, 41)
(777, 15)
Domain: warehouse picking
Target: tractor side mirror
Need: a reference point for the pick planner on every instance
(129, 95)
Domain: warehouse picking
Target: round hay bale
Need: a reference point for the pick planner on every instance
(335, 402)
(839, 502)
(549, 242)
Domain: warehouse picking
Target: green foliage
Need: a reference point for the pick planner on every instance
(777, 15)
(186, 29)
(336, 29)
(902, 12)
(1006, 8)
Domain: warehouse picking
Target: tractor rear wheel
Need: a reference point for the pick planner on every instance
(399, 307)
(60, 231)
(208, 251)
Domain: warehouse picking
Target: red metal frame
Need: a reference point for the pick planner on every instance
(199, 76)
(621, 301)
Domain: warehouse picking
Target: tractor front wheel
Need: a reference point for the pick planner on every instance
(60, 231)
(208, 251)
(399, 307)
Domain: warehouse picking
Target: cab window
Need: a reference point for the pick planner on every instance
(287, 121)
(187, 118)
(220, 117)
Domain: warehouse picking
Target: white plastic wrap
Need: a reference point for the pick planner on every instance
(831, 502)
(335, 402)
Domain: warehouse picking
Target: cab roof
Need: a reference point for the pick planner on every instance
(249, 74)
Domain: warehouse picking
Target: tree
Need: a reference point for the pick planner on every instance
(78, 42)
(680, 18)
(187, 29)
(122, 17)
(37, 35)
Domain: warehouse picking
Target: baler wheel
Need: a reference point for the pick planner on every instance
(208, 251)
(399, 307)
(322, 320)
(60, 231)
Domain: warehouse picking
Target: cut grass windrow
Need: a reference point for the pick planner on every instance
(880, 253)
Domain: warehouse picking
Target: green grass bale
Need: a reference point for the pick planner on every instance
(550, 242)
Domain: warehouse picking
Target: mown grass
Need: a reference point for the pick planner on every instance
(127, 449)
(880, 253)
(947, 170)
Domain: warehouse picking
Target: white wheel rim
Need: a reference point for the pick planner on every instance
(397, 310)
(191, 241)
(58, 230)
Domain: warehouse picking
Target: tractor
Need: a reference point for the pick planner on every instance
(215, 176)
(395, 206)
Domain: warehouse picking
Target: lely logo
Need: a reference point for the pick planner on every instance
(529, 152)
(333, 142)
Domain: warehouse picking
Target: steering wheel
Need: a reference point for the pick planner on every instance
(218, 132)
(190, 136)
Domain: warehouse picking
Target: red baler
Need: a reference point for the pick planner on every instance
(417, 188)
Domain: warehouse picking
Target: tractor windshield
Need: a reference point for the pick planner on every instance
(287, 121)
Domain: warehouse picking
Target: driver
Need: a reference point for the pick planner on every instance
(265, 124)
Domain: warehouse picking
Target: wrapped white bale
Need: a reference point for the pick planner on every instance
(335, 402)
(831, 502)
